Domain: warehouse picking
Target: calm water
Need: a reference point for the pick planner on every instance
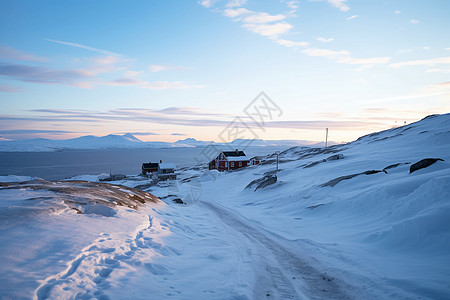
(67, 163)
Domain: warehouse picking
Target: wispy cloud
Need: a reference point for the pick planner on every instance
(288, 43)
(293, 5)
(233, 13)
(206, 3)
(236, 3)
(160, 68)
(422, 62)
(14, 54)
(163, 117)
(162, 85)
(142, 133)
(414, 21)
(31, 131)
(324, 40)
(262, 17)
(352, 17)
(6, 88)
(438, 70)
(443, 87)
(340, 4)
(40, 74)
(83, 78)
(397, 12)
(262, 23)
(101, 51)
(269, 30)
(344, 56)
(432, 90)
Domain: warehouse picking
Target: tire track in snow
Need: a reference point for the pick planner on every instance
(288, 276)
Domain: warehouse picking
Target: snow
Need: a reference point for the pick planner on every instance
(167, 166)
(237, 158)
(378, 235)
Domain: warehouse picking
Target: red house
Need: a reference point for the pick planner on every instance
(230, 160)
(149, 168)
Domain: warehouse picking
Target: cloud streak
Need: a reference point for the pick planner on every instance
(340, 4)
(423, 62)
(6, 88)
(101, 51)
(170, 116)
(14, 54)
(344, 56)
(40, 74)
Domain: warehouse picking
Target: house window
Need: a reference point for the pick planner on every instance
(240, 164)
(232, 164)
(226, 164)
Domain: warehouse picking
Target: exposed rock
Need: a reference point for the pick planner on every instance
(259, 180)
(178, 200)
(333, 157)
(314, 163)
(393, 166)
(314, 206)
(423, 164)
(335, 181)
(90, 197)
(266, 182)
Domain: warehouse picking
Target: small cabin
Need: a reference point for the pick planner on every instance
(166, 171)
(256, 160)
(149, 168)
(230, 160)
(166, 168)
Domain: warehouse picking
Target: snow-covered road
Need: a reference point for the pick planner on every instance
(281, 272)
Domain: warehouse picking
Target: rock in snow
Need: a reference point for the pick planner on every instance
(423, 164)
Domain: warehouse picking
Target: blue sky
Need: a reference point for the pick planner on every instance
(172, 69)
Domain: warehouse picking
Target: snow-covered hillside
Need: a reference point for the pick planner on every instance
(346, 222)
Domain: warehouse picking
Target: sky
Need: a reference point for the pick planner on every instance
(166, 70)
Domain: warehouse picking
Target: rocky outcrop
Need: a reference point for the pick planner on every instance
(333, 157)
(335, 181)
(262, 182)
(266, 182)
(423, 164)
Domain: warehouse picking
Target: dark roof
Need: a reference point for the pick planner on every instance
(234, 153)
(150, 165)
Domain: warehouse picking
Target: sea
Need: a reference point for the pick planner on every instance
(68, 163)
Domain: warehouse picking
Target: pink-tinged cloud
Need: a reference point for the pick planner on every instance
(4, 88)
(9, 53)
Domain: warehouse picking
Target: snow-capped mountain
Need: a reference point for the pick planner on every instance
(129, 141)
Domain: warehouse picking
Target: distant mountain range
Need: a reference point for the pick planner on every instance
(129, 141)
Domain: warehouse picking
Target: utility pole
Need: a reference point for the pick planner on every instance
(278, 154)
(326, 137)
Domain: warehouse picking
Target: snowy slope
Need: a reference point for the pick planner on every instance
(326, 229)
(378, 236)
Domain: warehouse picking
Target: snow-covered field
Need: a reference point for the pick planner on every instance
(358, 227)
